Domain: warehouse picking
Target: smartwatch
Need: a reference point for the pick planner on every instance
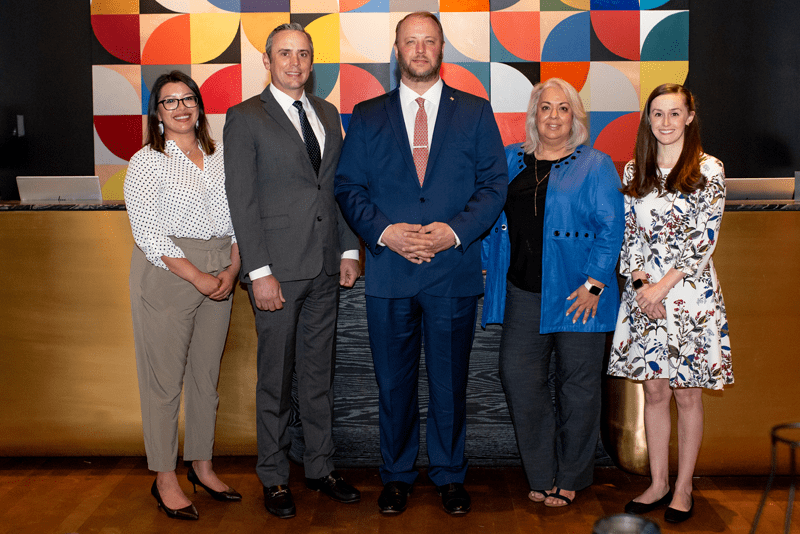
(593, 289)
(639, 283)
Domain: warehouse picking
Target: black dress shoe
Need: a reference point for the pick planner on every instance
(278, 501)
(394, 497)
(639, 508)
(455, 499)
(188, 512)
(229, 495)
(334, 487)
(671, 515)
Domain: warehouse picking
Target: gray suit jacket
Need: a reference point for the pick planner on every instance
(283, 214)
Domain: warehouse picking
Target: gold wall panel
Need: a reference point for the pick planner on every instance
(758, 263)
(68, 379)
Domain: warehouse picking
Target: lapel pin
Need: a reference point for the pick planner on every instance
(451, 98)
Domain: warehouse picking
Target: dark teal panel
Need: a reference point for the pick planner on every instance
(668, 40)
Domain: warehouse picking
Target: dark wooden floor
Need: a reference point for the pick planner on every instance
(111, 495)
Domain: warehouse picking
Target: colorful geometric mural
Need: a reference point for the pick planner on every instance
(613, 51)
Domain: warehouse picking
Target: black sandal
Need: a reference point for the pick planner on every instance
(543, 492)
(557, 495)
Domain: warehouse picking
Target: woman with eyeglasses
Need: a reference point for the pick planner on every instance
(183, 272)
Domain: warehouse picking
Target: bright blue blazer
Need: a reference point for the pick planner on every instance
(465, 186)
(584, 222)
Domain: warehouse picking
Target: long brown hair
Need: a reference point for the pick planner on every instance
(156, 139)
(685, 176)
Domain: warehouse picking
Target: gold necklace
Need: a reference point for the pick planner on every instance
(538, 181)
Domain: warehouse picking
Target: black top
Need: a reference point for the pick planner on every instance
(525, 214)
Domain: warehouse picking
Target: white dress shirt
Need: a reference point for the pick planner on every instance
(168, 195)
(410, 108)
(286, 103)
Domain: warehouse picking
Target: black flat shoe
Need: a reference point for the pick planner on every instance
(279, 502)
(229, 495)
(455, 499)
(639, 508)
(334, 487)
(394, 497)
(671, 515)
(189, 512)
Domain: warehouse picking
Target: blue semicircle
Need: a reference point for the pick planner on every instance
(569, 40)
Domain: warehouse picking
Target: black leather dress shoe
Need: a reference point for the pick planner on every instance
(334, 487)
(671, 515)
(639, 508)
(455, 499)
(279, 502)
(394, 497)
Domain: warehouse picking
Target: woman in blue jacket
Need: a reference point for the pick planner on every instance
(550, 280)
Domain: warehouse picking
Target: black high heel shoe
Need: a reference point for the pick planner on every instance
(189, 512)
(229, 495)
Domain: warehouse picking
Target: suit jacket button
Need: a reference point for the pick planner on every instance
(556, 233)
(422, 199)
(567, 234)
(319, 218)
(319, 187)
(586, 235)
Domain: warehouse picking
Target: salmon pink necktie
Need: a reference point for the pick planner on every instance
(421, 141)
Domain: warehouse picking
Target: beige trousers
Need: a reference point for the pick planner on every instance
(179, 335)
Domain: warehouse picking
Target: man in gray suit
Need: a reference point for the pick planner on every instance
(281, 152)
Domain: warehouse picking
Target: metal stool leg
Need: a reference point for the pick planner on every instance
(766, 490)
(793, 444)
(793, 474)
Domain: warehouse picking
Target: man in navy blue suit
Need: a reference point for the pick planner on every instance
(421, 178)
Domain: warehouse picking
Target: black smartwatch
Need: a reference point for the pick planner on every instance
(639, 283)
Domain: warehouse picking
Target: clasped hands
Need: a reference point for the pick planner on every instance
(650, 299)
(418, 243)
(215, 287)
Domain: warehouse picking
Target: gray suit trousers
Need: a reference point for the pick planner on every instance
(301, 334)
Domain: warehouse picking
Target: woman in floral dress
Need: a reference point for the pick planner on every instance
(672, 331)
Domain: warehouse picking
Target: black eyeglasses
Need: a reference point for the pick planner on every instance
(171, 104)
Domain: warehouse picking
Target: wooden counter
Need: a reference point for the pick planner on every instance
(68, 381)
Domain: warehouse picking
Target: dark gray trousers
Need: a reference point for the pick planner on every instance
(556, 443)
(301, 335)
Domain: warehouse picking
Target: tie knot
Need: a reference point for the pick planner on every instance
(298, 105)
(421, 102)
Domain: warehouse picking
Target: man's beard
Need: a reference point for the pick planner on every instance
(425, 76)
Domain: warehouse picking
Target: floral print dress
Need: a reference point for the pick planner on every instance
(691, 347)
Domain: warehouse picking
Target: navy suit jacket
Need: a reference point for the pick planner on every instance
(465, 186)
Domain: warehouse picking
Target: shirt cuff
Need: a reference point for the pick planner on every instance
(350, 255)
(380, 239)
(458, 241)
(261, 272)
